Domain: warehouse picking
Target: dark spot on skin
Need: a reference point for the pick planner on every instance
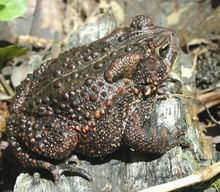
(95, 55)
(102, 111)
(68, 79)
(38, 101)
(32, 140)
(127, 81)
(57, 84)
(136, 91)
(67, 59)
(41, 109)
(103, 94)
(87, 115)
(113, 54)
(66, 96)
(78, 63)
(91, 123)
(57, 73)
(78, 90)
(105, 49)
(120, 90)
(98, 65)
(94, 88)
(75, 75)
(49, 111)
(85, 129)
(81, 76)
(80, 118)
(88, 50)
(101, 83)
(45, 100)
(83, 94)
(87, 58)
(97, 115)
(128, 49)
(72, 117)
(72, 94)
(29, 123)
(62, 106)
(122, 37)
(70, 66)
(88, 82)
(109, 103)
(93, 98)
(78, 128)
(77, 53)
(55, 100)
(75, 104)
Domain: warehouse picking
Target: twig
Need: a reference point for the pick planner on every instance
(6, 86)
(201, 176)
(201, 103)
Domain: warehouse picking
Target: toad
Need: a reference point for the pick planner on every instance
(93, 99)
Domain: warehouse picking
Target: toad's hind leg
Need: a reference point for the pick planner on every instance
(154, 140)
(44, 139)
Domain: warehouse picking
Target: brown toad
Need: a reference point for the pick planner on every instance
(92, 99)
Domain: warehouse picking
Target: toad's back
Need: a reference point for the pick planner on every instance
(74, 69)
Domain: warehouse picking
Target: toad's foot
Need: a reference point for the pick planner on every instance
(184, 142)
(72, 168)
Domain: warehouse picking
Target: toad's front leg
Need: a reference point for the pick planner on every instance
(140, 136)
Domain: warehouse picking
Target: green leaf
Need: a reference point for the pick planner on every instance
(10, 9)
(7, 53)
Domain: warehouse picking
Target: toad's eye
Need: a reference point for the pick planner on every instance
(164, 50)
